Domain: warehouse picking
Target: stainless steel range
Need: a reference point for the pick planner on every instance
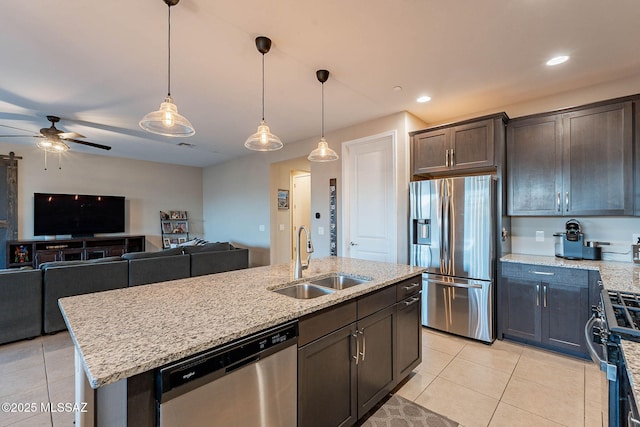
(616, 318)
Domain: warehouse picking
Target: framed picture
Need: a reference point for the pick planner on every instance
(178, 214)
(167, 227)
(164, 215)
(166, 242)
(283, 199)
(180, 227)
(182, 240)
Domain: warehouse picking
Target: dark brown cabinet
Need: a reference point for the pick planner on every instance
(32, 253)
(464, 146)
(348, 355)
(577, 162)
(545, 306)
(408, 326)
(327, 380)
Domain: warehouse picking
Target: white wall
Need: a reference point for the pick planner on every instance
(239, 198)
(148, 188)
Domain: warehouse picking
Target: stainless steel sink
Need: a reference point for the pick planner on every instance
(304, 291)
(339, 281)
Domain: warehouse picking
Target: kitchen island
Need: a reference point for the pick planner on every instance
(127, 333)
(616, 276)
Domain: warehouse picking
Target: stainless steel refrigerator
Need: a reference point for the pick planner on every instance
(453, 235)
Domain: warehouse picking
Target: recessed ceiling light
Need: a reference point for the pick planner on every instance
(556, 60)
(424, 98)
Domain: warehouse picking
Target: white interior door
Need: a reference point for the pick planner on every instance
(300, 206)
(370, 199)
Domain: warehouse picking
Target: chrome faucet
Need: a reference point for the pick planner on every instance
(297, 273)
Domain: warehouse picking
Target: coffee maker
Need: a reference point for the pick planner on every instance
(570, 244)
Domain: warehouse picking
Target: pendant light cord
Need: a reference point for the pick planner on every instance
(322, 130)
(169, 56)
(263, 87)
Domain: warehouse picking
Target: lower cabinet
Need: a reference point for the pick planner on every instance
(409, 335)
(545, 306)
(327, 380)
(351, 356)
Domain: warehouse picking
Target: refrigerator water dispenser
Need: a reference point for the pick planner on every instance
(422, 231)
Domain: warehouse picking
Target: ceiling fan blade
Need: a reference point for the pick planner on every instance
(70, 135)
(13, 127)
(90, 144)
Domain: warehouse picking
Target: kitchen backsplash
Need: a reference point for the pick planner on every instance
(618, 231)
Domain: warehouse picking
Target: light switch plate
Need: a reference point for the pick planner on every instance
(539, 236)
(261, 227)
(321, 231)
(281, 227)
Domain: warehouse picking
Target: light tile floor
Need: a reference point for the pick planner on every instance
(505, 384)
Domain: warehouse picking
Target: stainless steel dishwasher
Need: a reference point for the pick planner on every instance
(250, 382)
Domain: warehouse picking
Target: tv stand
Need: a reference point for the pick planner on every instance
(32, 253)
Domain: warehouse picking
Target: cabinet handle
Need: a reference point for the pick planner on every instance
(411, 301)
(357, 355)
(364, 344)
(452, 158)
(537, 295)
(544, 298)
(558, 201)
(542, 273)
(446, 158)
(566, 200)
(410, 287)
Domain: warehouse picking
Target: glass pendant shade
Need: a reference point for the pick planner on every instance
(323, 153)
(263, 139)
(167, 121)
(52, 146)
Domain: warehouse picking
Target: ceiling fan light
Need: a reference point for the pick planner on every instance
(323, 153)
(167, 121)
(263, 139)
(60, 147)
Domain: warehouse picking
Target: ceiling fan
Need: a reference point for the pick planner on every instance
(53, 139)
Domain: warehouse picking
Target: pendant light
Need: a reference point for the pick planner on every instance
(263, 139)
(167, 121)
(323, 153)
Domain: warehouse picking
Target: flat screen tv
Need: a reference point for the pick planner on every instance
(77, 214)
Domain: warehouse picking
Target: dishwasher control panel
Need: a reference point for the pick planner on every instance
(223, 360)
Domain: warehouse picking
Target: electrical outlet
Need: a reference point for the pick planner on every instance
(539, 236)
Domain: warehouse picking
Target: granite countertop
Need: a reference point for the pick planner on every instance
(124, 332)
(617, 276)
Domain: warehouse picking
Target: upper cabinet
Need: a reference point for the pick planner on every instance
(465, 146)
(578, 162)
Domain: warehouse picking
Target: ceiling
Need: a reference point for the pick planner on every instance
(102, 65)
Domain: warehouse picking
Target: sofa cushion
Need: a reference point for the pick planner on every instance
(20, 304)
(75, 278)
(49, 264)
(162, 253)
(158, 269)
(209, 247)
(211, 262)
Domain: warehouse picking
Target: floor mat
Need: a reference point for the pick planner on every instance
(400, 412)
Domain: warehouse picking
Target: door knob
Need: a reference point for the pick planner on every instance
(353, 244)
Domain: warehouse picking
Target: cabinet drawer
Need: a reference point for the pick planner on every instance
(369, 304)
(544, 273)
(317, 325)
(408, 287)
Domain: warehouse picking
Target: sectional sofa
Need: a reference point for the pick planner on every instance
(29, 298)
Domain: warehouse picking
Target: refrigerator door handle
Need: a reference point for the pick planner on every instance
(442, 225)
(455, 285)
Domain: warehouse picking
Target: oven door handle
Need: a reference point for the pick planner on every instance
(610, 369)
(588, 328)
